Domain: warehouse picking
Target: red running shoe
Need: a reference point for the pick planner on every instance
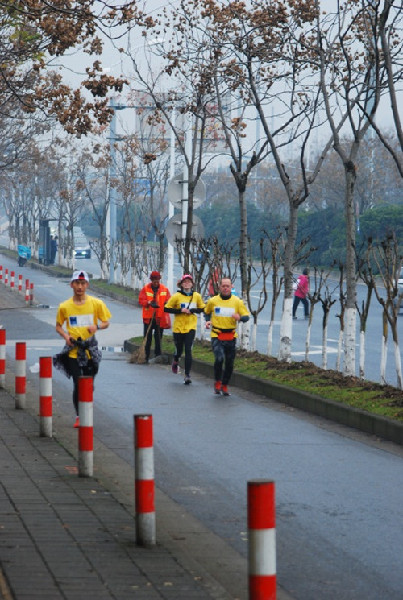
(217, 387)
(77, 423)
(224, 390)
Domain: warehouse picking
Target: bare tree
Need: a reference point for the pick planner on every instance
(276, 242)
(388, 54)
(353, 78)
(387, 259)
(326, 299)
(318, 282)
(258, 272)
(363, 310)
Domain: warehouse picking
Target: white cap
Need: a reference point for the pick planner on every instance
(80, 275)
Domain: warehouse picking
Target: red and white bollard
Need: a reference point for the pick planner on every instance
(261, 540)
(86, 428)
(31, 298)
(12, 280)
(20, 374)
(1, 273)
(2, 357)
(20, 282)
(27, 295)
(6, 277)
(45, 396)
(144, 480)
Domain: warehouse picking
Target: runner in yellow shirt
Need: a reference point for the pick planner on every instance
(185, 305)
(223, 312)
(83, 316)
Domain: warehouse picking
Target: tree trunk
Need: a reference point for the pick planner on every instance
(384, 349)
(350, 315)
(286, 318)
(362, 355)
(324, 344)
(243, 240)
(398, 360)
(339, 350)
(398, 363)
(253, 336)
(270, 338)
(308, 340)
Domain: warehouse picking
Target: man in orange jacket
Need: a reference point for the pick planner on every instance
(153, 298)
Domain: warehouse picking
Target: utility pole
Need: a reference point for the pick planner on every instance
(112, 189)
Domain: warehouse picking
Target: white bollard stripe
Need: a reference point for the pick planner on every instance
(86, 414)
(262, 561)
(86, 463)
(45, 426)
(45, 386)
(144, 463)
(2, 352)
(20, 368)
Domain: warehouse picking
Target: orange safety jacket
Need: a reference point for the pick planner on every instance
(161, 297)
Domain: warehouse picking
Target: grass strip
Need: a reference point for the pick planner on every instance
(374, 398)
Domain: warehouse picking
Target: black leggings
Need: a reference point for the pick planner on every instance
(77, 372)
(224, 351)
(184, 339)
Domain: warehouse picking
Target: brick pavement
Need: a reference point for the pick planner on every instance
(64, 536)
(70, 537)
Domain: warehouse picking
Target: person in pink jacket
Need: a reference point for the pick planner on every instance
(301, 293)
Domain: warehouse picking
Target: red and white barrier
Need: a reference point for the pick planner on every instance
(2, 357)
(144, 480)
(31, 297)
(45, 396)
(12, 280)
(261, 540)
(20, 282)
(6, 277)
(1, 273)
(86, 428)
(27, 294)
(20, 374)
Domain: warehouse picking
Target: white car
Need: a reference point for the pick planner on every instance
(82, 252)
(82, 248)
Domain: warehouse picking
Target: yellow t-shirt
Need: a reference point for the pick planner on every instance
(220, 312)
(182, 321)
(79, 316)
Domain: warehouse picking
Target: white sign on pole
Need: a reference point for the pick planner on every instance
(174, 228)
(175, 192)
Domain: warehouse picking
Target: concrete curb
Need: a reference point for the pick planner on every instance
(329, 409)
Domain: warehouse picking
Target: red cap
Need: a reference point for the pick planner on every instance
(186, 276)
(155, 275)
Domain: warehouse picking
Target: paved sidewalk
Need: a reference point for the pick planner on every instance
(73, 538)
(64, 536)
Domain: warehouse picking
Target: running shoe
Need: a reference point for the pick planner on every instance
(217, 387)
(77, 423)
(187, 380)
(175, 367)
(224, 390)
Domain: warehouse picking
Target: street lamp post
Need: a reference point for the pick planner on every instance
(112, 189)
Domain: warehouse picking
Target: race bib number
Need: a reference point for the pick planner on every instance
(81, 320)
(223, 311)
(190, 306)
